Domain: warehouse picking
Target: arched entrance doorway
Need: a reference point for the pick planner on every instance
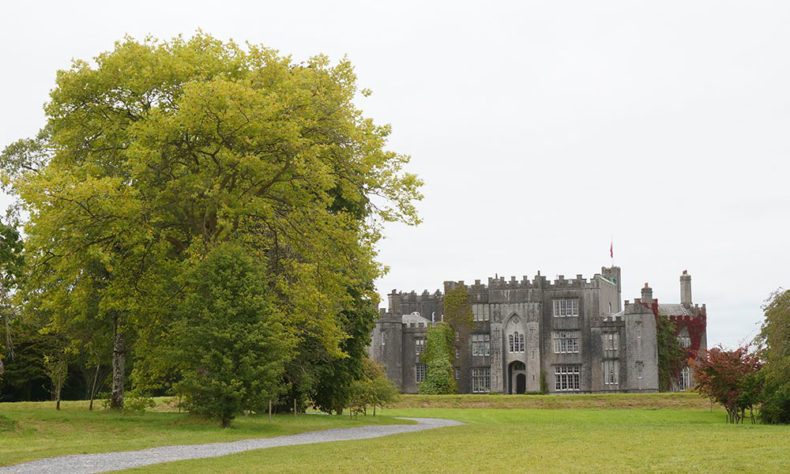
(517, 377)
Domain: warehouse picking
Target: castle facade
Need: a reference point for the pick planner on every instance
(565, 336)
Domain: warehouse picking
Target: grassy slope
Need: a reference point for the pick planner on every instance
(518, 440)
(31, 431)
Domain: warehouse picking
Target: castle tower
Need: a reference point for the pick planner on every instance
(685, 289)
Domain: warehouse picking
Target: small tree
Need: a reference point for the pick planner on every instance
(229, 341)
(373, 389)
(438, 357)
(729, 378)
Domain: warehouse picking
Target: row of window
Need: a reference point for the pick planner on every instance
(565, 342)
(567, 378)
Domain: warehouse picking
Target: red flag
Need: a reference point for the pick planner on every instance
(611, 250)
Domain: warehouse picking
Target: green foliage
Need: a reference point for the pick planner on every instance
(458, 309)
(229, 340)
(438, 357)
(730, 378)
(373, 389)
(157, 154)
(336, 376)
(670, 354)
(775, 341)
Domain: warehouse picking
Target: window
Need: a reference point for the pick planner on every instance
(481, 344)
(419, 346)
(566, 378)
(455, 373)
(566, 342)
(480, 312)
(640, 370)
(481, 380)
(685, 379)
(515, 342)
(566, 307)
(611, 344)
(420, 372)
(611, 372)
(684, 341)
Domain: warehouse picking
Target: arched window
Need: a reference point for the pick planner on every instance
(521, 343)
(510, 342)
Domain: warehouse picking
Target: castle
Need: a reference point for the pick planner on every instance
(565, 336)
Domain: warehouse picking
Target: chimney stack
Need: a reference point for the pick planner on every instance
(647, 295)
(685, 289)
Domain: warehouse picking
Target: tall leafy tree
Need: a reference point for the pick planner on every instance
(775, 342)
(156, 153)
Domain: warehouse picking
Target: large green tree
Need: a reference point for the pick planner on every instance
(155, 153)
(775, 342)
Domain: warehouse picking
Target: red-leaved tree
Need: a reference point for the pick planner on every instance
(730, 378)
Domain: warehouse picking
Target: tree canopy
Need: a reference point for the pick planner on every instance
(158, 153)
(775, 343)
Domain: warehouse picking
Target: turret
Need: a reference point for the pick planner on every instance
(685, 289)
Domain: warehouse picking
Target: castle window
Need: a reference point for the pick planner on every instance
(566, 307)
(640, 370)
(481, 344)
(480, 312)
(611, 369)
(684, 341)
(611, 344)
(420, 372)
(685, 379)
(567, 378)
(481, 380)
(419, 345)
(566, 342)
(515, 342)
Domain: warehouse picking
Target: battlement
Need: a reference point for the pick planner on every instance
(537, 282)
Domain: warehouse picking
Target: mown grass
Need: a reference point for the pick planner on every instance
(35, 430)
(680, 400)
(535, 440)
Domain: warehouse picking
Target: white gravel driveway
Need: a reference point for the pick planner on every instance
(86, 463)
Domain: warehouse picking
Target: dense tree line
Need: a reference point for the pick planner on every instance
(201, 218)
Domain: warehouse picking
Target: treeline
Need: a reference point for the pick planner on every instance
(199, 219)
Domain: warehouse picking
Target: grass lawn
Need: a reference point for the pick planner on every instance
(536, 440)
(35, 430)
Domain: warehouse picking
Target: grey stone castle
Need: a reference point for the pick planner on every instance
(574, 334)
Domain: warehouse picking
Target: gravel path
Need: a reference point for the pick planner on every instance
(86, 463)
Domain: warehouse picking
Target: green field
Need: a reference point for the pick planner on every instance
(658, 433)
(35, 430)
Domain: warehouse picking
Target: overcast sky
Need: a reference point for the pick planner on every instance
(542, 129)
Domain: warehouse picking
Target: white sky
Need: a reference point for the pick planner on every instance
(541, 128)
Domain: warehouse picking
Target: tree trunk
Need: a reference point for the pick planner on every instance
(118, 367)
(93, 385)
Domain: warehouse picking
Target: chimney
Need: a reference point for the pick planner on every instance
(647, 295)
(685, 289)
